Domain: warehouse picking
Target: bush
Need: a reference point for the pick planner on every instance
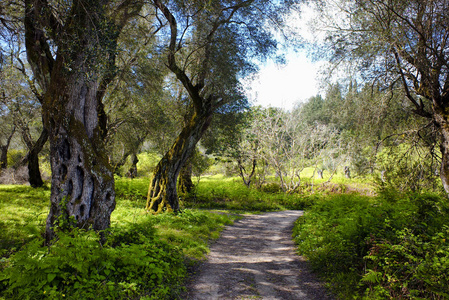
(391, 246)
(131, 264)
(409, 266)
(14, 175)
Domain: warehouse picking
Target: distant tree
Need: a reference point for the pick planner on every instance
(137, 103)
(288, 144)
(7, 128)
(231, 138)
(401, 42)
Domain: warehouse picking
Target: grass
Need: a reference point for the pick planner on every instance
(24, 211)
(183, 237)
(154, 244)
(220, 192)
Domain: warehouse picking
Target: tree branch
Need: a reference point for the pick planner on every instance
(38, 50)
(419, 106)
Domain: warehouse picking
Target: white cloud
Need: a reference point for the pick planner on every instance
(298, 80)
(283, 86)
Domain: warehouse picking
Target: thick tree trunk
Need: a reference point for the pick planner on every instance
(162, 192)
(82, 184)
(34, 174)
(185, 179)
(74, 82)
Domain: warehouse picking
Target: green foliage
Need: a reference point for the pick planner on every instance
(147, 162)
(231, 193)
(408, 167)
(190, 230)
(15, 156)
(142, 255)
(391, 246)
(130, 264)
(131, 189)
(333, 233)
(410, 266)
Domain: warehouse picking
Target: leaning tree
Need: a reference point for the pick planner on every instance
(397, 42)
(209, 46)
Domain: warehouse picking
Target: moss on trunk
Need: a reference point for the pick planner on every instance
(162, 192)
(185, 183)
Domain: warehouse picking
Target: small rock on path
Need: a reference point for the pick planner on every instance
(255, 259)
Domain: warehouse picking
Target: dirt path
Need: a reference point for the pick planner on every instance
(255, 259)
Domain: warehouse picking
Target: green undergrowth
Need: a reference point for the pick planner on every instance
(230, 193)
(393, 246)
(23, 214)
(141, 256)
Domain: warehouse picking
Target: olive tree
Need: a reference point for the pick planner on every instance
(209, 47)
(393, 42)
(71, 47)
(288, 144)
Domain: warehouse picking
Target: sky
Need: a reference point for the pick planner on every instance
(285, 85)
(296, 81)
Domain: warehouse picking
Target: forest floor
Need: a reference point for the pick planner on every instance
(255, 259)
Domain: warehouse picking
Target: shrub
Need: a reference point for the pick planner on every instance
(130, 264)
(17, 175)
(391, 246)
(410, 267)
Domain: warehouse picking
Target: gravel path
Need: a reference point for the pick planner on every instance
(255, 259)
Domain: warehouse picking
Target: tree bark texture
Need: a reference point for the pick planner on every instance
(74, 83)
(185, 183)
(162, 192)
(82, 184)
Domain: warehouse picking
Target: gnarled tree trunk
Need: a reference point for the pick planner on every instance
(162, 192)
(132, 172)
(73, 84)
(82, 184)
